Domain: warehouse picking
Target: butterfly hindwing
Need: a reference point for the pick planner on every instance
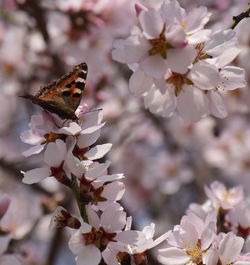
(63, 96)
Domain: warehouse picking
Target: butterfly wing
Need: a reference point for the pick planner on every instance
(63, 96)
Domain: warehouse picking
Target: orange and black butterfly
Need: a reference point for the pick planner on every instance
(63, 96)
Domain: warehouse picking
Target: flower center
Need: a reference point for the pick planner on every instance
(178, 80)
(100, 238)
(160, 45)
(52, 137)
(195, 254)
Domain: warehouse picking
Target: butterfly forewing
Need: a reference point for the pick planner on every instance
(63, 96)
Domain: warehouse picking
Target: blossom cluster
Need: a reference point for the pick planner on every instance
(102, 228)
(212, 233)
(177, 64)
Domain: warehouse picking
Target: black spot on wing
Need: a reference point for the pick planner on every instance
(80, 85)
(77, 95)
(82, 75)
(66, 93)
(70, 84)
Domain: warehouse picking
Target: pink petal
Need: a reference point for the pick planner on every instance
(131, 237)
(179, 60)
(98, 151)
(113, 219)
(154, 66)
(173, 256)
(205, 76)
(191, 104)
(232, 77)
(139, 83)
(86, 140)
(230, 248)
(35, 175)
(151, 23)
(216, 104)
(90, 255)
(33, 150)
(114, 191)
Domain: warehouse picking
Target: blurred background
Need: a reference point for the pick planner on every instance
(166, 162)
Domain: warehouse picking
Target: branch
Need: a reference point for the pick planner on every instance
(241, 16)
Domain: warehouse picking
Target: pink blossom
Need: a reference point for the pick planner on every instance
(220, 196)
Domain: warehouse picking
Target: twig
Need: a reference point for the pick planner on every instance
(237, 19)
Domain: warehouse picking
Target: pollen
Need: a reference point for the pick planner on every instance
(195, 254)
(183, 26)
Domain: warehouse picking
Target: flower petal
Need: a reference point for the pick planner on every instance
(173, 256)
(98, 151)
(151, 23)
(35, 175)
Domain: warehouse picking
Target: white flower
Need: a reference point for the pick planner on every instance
(226, 251)
(164, 34)
(221, 197)
(189, 241)
(54, 159)
(88, 240)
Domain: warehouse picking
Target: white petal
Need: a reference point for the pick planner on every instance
(98, 151)
(205, 76)
(33, 150)
(216, 104)
(92, 129)
(139, 83)
(179, 60)
(176, 36)
(154, 66)
(93, 218)
(55, 153)
(173, 256)
(131, 237)
(30, 138)
(232, 77)
(160, 239)
(151, 23)
(35, 175)
(220, 41)
(86, 140)
(211, 257)
(131, 50)
(199, 36)
(191, 104)
(76, 242)
(171, 12)
(163, 104)
(97, 171)
(230, 248)
(196, 19)
(207, 237)
(92, 118)
(113, 219)
(114, 191)
(73, 129)
(107, 178)
(91, 255)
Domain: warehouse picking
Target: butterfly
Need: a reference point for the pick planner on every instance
(62, 96)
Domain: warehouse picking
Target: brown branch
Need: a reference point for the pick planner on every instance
(241, 16)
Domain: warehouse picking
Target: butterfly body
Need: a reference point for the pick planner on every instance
(63, 96)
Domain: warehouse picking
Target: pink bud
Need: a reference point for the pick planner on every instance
(138, 8)
(4, 204)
